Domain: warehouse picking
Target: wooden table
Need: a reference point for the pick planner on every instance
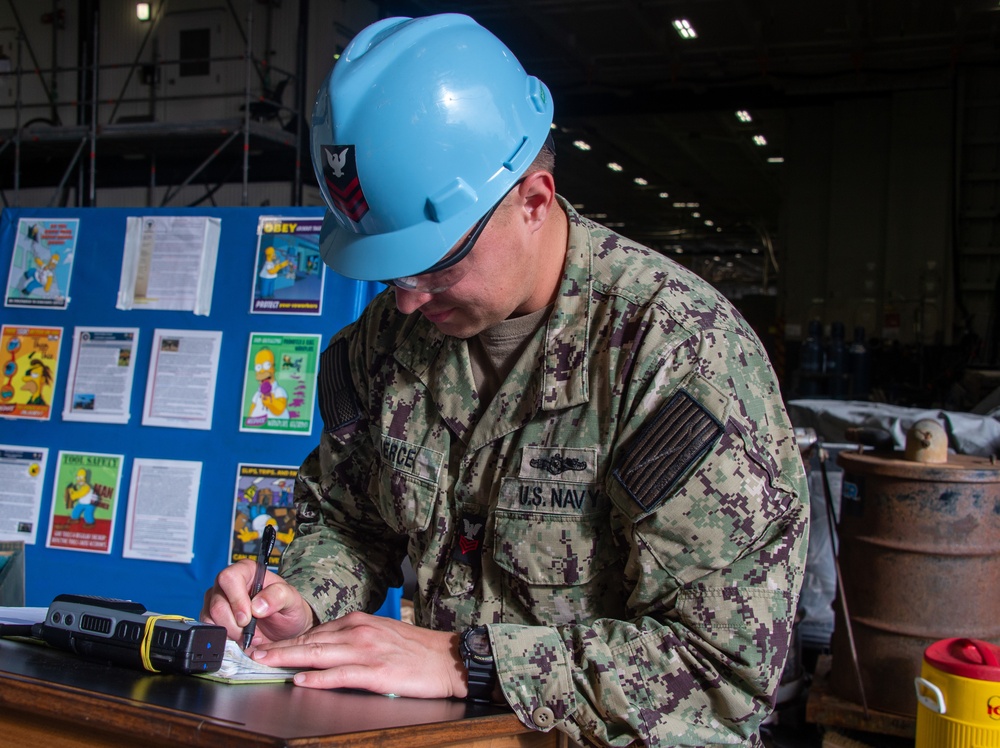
(55, 699)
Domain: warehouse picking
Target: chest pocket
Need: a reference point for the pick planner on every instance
(549, 549)
(407, 480)
(558, 568)
(405, 503)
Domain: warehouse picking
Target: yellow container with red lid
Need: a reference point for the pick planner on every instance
(958, 695)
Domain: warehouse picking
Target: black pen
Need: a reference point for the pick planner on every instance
(263, 553)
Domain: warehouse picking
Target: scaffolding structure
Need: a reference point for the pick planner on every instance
(105, 148)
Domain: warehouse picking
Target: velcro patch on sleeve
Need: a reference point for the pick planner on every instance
(338, 403)
(676, 438)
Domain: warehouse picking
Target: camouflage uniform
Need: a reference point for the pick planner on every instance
(628, 513)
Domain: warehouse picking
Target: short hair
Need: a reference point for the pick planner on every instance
(546, 158)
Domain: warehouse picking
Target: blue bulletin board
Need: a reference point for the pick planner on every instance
(163, 587)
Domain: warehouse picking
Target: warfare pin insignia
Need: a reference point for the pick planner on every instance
(557, 464)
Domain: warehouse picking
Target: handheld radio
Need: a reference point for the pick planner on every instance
(122, 632)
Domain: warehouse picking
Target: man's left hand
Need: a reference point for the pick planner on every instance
(375, 654)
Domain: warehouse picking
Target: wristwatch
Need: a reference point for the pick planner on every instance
(477, 654)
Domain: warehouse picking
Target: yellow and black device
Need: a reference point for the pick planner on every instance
(123, 632)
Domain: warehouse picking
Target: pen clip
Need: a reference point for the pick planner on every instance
(263, 555)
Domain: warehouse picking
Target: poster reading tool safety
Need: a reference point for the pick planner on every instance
(30, 358)
(289, 272)
(85, 501)
(279, 390)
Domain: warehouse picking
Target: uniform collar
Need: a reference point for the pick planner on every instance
(565, 374)
(565, 369)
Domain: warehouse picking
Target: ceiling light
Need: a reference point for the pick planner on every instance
(760, 140)
(583, 145)
(684, 29)
(709, 222)
(640, 181)
(680, 205)
(744, 116)
(664, 195)
(696, 214)
(142, 11)
(615, 166)
(692, 205)
(776, 160)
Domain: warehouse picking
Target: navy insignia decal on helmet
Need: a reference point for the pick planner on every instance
(340, 171)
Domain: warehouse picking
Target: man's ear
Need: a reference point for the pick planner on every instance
(537, 191)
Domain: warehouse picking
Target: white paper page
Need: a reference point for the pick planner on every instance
(163, 501)
(180, 387)
(169, 263)
(22, 475)
(100, 374)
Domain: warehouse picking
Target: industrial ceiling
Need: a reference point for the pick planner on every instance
(665, 108)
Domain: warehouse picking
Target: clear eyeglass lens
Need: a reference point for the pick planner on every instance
(433, 282)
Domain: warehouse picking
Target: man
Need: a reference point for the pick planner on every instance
(580, 445)
(269, 272)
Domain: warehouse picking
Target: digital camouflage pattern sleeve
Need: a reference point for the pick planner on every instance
(628, 515)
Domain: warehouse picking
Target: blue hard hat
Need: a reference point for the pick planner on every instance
(420, 127)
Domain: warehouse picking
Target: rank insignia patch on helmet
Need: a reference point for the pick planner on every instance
(340, 171)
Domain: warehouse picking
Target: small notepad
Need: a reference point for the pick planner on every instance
(238, 667)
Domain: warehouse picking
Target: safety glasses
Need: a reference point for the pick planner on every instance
(449, 270)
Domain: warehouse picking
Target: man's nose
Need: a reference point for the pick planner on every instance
(408, 302)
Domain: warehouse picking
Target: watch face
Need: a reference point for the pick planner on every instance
(478, 642)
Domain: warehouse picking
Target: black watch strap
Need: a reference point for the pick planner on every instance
(478, 659)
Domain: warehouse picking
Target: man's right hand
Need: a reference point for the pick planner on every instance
(281, 612)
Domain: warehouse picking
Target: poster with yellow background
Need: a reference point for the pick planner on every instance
(30, 358)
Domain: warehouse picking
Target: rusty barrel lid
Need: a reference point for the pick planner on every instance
(966, 658)
(958, 469)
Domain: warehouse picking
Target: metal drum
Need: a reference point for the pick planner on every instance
(920, 561)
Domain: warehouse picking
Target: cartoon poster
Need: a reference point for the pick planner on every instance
(42, 262)
(264, 496)
(30, 359)
(279, 390)
(85, 501)
(289, 272)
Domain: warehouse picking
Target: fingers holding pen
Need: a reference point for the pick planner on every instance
(227, 603)
(280, 610)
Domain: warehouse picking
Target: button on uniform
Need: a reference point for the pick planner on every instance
(543, 717)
